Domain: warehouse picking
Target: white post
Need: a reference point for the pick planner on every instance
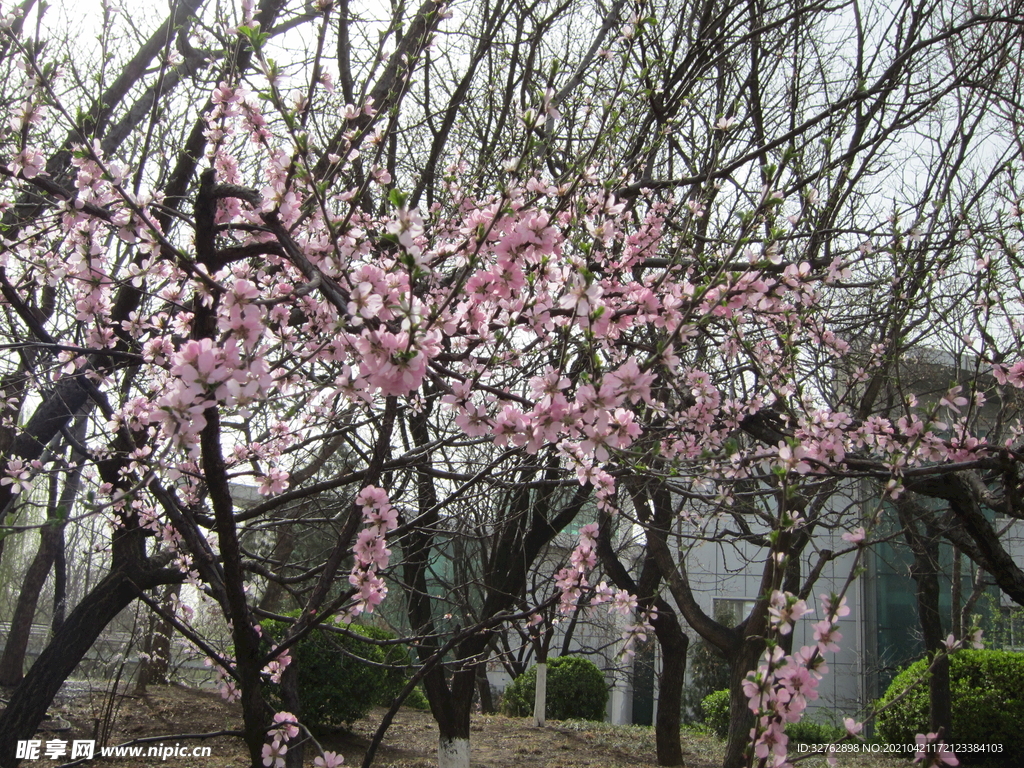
(540, 698)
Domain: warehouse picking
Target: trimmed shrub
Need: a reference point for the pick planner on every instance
(811, 732)
(715, 707)
(333, 681)
(987, 691)
(576, 690)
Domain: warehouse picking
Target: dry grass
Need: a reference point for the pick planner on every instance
(411, 742)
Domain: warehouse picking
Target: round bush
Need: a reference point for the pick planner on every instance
(987, 691)
(576, 690)
(715, 707)
(333, 681)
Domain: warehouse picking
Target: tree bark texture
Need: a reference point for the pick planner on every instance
(925, 571)
(674, 644)
(156, 664)
(16, 647)
(741, 719)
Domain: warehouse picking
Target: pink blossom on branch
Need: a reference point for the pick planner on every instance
(931, 750)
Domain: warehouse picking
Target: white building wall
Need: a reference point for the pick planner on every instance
(730, 570)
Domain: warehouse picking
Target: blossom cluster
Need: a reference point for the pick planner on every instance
(780, 688)
(371, 551)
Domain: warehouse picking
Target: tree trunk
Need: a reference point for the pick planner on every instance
(674, 643)
(453, 720)
(51, 542)
(60, 582)
(925, 571)
(83, 626)
(13, 658)
(483, 687)
(291, 703)
(453, 750)
(671, 638)
(957, 596)
(156, 662)
(273, 597)
(741, 719)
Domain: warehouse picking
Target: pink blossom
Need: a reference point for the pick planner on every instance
(624, 603)
(792, 459)
(19, 476)
(287, 726)
(827, 636)
(785, 609)
(852, 726)
(274, 482)
(827, 602)
(273, 754)
(582, 297)
(29, 163)
(229, 691)
(329, 760)
(771, 741)
(933, 751)
(473, 420)
(857, 536)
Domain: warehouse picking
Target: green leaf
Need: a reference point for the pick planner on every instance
(397, 198)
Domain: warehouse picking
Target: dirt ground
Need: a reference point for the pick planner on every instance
(411, 741)
(166, 713)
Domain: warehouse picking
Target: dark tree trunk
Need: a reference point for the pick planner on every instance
(156, 664)
(483, 686)
(741, 719)
(451, 706)
(671, 638)
(925, 570)
(291, 703)
(51, 542)
(68, 647)
(273, 598)
(674, 643)
(248, 655)
(60, 582)
(454, 733)
(13, 658)
(515, 547)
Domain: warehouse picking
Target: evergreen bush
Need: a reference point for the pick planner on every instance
(715, 707)
(987, 693)
(575, 690)
(709, 672)
(338, 682)
(812, 732)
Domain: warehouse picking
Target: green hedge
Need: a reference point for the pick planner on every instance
(336, 688)
(575, 690)
(333, 682)
(987, 693)
(812, 732)
(715, 707)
